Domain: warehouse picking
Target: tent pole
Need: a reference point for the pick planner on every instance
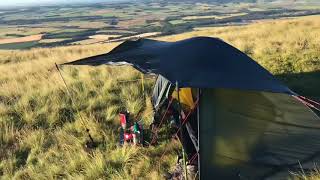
(198, 123)
(181, 133)
(142, 84)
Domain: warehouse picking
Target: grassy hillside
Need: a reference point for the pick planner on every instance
(42, 135)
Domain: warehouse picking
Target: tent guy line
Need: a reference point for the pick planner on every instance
(92, 142)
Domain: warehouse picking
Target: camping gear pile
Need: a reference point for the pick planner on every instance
(234, 119)
(130, 132)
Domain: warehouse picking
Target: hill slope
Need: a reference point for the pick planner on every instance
(240, 1)
(43, 136)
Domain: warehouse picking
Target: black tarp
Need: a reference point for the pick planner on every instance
(200, 62)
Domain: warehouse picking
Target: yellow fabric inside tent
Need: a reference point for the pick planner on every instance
(185, 97)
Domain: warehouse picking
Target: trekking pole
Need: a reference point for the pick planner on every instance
(142, 84)
(72, 102)
(181, 133)
(198, 124)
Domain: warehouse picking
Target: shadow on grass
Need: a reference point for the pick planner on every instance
(22, 156)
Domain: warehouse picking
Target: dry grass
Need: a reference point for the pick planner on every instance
(51, 40)
(42, 135)
(103, 37)
(212, 17)
(143, 35)
(21, 39)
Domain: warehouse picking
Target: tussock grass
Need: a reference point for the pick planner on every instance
(42, 133)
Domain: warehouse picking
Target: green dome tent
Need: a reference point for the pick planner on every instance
(248, 124)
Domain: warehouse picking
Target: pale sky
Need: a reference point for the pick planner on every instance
(4, 3)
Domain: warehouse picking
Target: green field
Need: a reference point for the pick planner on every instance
(22, 45)
(83, 20)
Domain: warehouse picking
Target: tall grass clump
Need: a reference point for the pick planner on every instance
(43, 128)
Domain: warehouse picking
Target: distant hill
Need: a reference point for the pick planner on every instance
(217, 1)
(239, 1)
(57, 2)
